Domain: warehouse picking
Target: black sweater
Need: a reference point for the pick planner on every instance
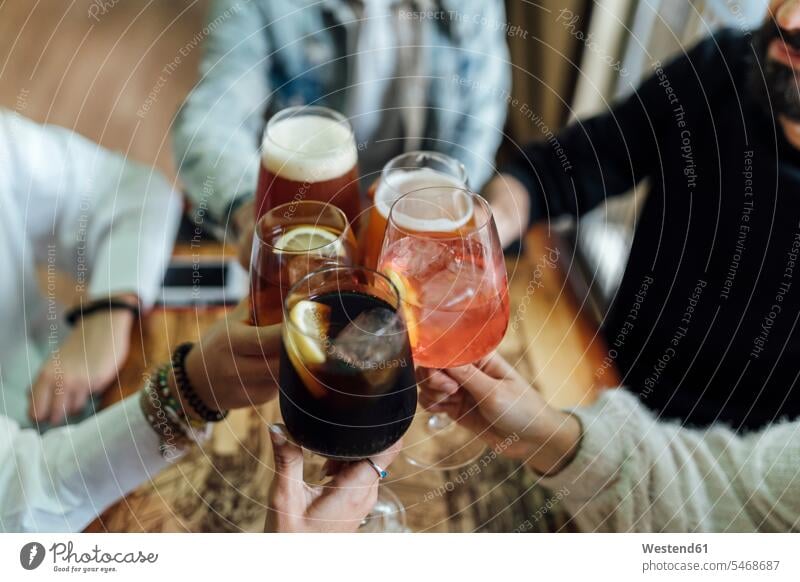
(704, 326)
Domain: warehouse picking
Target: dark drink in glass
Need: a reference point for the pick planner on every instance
(348, 388)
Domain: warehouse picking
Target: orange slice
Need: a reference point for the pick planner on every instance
(408, 298)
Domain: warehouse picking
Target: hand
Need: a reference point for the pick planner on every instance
(86, 363)
(235, 364)
(244, 221)
(510, 204)
(494, 401)
(338, 506)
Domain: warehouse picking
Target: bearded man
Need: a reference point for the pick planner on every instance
(704, 327)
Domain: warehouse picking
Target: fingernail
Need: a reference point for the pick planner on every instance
(277, 435)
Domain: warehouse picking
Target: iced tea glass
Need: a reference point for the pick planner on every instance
(290, 241)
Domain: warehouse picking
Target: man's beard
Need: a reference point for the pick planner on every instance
(778, 91)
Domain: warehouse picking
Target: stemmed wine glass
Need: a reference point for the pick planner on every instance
(441, 249)
(347, 384)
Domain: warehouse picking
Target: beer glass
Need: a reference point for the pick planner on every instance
(308, 153)
(403, 174)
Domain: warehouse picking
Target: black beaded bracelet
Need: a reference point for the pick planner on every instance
(185, 388)
(109, 304)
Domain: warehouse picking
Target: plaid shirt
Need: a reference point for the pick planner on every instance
(264, 55)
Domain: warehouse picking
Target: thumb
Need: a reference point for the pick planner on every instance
(473, 380)
(288, 460)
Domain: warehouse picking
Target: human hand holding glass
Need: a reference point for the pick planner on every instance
(492, 400)
(293, 505)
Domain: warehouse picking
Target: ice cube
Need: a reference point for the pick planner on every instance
(417, 257)
(454, 288)
(373, 344)
(466, 251)
(374, 335)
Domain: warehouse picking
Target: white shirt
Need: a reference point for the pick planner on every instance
(61, 481)
(69, 205)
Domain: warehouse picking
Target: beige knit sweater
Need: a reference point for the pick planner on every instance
(635, 473)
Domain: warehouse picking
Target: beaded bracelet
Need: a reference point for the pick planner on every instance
(173, 439)
(187, 391)
(170, 402)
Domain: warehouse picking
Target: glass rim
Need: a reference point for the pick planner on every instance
(323, 205)
(310, 110)
(421, 234)
(294, 288)
(385, 172)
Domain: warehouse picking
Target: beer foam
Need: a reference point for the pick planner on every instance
(434, 202)
(309, 148)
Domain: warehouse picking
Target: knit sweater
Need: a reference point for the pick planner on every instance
(634, 473)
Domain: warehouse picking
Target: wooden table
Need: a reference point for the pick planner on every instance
(223, 487)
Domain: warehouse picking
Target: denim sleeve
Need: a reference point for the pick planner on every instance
(217, 130)
(484, 82)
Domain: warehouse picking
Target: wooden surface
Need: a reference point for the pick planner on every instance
(61, 65)
(223, 487)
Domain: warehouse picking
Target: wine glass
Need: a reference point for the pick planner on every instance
(442, 251)
(290, 241)
(347, 384)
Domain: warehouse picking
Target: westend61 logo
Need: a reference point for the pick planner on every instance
(66, 559)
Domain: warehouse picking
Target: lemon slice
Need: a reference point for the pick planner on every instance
(305, 343)
(304, 238)
(311, 320)
(408, 299)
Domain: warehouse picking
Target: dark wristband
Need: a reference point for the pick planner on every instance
(80, 311)
(186, 390)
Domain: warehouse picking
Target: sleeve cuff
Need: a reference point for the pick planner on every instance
(602, 450)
